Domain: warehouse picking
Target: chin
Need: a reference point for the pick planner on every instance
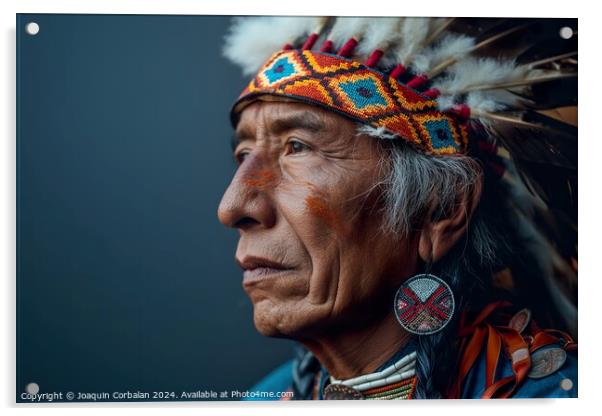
(276, 321)
(269, 321)
(286, 321)
(268, 330)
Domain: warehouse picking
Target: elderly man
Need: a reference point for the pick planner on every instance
(373, 209)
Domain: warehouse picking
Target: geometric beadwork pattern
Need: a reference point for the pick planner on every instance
(360, 93)
(444, 137)
(424, 304)
(280, 70)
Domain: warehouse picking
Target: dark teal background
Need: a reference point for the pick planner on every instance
(125, 277)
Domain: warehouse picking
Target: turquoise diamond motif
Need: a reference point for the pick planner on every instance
(363, 93)
(280, 69)
(441, 134)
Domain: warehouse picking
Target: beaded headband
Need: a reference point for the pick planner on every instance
(360, 93)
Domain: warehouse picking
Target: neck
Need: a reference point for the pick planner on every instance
(358, 351)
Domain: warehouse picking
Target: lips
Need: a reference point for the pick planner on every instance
(257, 267)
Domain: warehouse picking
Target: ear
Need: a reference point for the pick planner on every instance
(440, 233)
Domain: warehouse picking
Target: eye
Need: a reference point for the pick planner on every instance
(296, 146)
(241, 155)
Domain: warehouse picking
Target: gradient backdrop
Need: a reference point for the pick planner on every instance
(125, 278)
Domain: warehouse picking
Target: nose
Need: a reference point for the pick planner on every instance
(247, 203)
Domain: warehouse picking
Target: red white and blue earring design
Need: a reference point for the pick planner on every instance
(424, 304)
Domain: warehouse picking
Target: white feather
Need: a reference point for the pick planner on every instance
(494, 100)
(451, 46)
(485, 101)
(252, 40)
(379, 32)
(378, 132)
(346, 28)
(414, 32)
(472, 72)
(480, 71)
(446, 102)
(481, 102)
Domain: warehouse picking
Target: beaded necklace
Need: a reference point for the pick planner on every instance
(396, 382)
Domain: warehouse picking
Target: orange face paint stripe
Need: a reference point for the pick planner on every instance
(261, 179)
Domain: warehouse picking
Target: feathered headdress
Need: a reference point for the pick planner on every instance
(503, 90)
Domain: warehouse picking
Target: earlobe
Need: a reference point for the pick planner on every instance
(439, 235)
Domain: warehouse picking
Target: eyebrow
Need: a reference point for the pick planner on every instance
(305, 120)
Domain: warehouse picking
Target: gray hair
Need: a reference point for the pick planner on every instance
(416, 181)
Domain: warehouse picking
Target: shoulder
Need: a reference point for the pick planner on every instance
(561, 383)
(278, 380)
(506, 354)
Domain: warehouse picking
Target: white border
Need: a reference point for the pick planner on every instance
(590, 151)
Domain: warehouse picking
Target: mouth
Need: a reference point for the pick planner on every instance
(256, 268)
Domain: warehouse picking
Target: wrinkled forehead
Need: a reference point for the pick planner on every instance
(285, 114)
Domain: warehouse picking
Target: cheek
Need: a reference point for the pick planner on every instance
(318, 205)
(362, 253)
(320, 209)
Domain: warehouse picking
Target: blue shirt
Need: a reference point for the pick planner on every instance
(551, 386)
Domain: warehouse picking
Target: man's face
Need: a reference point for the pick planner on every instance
(307, 204)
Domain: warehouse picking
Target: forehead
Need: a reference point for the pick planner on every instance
(297, 114)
